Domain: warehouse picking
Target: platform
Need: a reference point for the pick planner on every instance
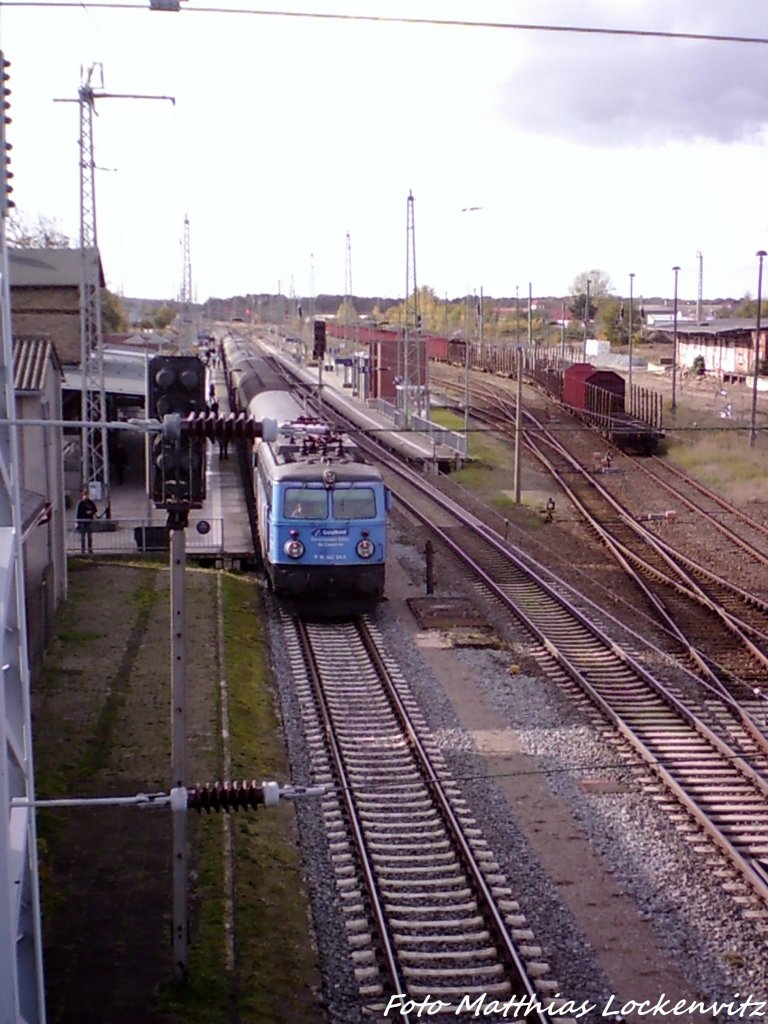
(137, 527)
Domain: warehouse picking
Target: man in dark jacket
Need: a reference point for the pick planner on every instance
(85, 513)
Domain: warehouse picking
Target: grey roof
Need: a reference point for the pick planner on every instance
(48, 268)
(726, 325)
(125, 373)
(31, 358)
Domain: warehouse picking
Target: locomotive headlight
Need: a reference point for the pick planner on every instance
(293, 548)
(365, 548)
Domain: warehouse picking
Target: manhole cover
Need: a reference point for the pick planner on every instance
(445, 612)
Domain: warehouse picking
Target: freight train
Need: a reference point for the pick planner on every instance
(597, 396)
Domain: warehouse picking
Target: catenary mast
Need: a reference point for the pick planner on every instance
(22, 993)
(94, 455)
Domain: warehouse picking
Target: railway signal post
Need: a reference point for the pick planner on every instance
(176, 388)
(176, 483)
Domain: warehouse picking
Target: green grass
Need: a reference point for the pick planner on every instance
(275, 975)
(271, 905)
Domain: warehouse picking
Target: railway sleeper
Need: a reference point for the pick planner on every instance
(451, 887)
(388, 859)
(457, 956)
(395, 873)
(496, 991)
(495, 970)
(395, 849)
(423, 924)
(443, 938)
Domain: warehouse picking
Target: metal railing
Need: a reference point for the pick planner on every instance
(125, 536)
(439, 435)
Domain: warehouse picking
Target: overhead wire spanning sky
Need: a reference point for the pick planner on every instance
(535, 148)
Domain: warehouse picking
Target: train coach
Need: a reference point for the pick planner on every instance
(322, 512)
(598, 397)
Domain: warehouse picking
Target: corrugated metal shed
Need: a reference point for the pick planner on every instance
(31, 358)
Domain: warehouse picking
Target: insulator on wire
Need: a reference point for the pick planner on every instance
(225, 796)
(222, 428)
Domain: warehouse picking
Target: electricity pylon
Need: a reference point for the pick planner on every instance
(94, 456)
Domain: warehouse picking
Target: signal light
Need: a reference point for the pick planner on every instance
(175, 389)
(319, 348)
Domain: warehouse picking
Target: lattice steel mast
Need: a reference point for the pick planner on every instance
(94, 458)
(95, 461)
(22, 992)
(186, 296)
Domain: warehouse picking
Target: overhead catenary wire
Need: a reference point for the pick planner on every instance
(712, 37)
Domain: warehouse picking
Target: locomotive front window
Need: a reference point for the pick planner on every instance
(303, 503)
(354, 503)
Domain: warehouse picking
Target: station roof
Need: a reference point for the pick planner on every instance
(125, 373)
(48, 268)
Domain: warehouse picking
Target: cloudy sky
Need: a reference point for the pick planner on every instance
(626, 153)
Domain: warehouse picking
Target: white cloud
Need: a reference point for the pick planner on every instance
(287, 133)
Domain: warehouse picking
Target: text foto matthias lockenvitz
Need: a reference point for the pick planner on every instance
(739, 1007)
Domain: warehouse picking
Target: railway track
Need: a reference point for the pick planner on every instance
(706, 751)
(428, 912)
(722, 627)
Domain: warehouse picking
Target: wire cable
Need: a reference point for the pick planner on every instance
(710, 37)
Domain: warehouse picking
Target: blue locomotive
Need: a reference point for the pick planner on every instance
(322, 512)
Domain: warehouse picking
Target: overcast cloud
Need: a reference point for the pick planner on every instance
(617, 91)
(567, 151)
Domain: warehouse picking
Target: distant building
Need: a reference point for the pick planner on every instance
(726, 346)
(45, 297)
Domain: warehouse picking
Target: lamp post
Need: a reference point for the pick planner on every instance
(517, 315)
(674, 344)
(467, 301)
(631, 286)
(470, 209)
(586, 319)
(761, 254)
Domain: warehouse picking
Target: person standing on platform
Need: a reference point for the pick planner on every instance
(85, 513)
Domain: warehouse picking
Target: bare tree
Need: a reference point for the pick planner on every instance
(45, 234)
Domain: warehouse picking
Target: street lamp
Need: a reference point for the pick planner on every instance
(631, 285)
(761, 254)
(469, 209)
(674, 345)
(586, 319)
